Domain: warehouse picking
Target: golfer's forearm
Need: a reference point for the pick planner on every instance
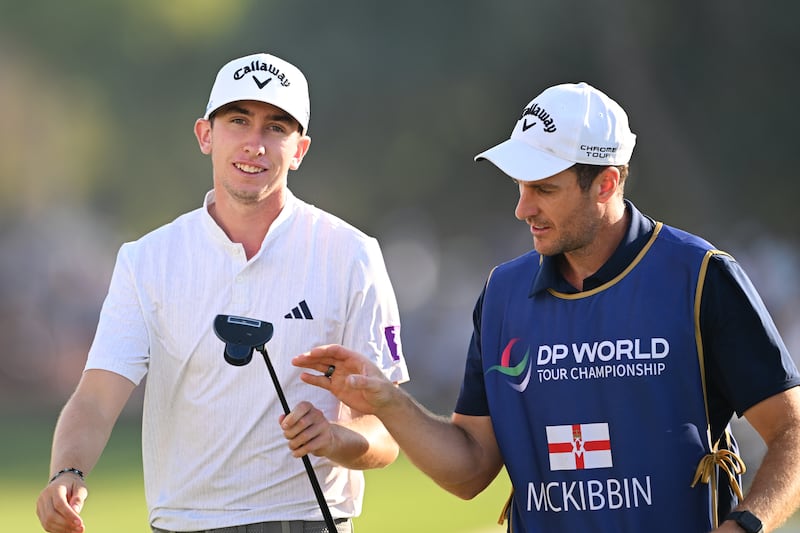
(79, 439)
(363, 443)
(87, 419)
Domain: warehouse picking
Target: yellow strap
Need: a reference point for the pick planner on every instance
(504, 512)
(706, 472)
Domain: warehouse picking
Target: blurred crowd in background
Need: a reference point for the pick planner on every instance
(98, 101)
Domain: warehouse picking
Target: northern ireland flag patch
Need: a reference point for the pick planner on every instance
(579, 446)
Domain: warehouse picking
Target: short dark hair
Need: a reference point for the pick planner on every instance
(587, 174)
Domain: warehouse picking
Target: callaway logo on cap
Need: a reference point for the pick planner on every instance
(566, 124)
(263, 78)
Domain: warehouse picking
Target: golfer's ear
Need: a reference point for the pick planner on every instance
(202, 130)
(303, 144)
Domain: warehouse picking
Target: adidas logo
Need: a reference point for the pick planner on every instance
(301, 311)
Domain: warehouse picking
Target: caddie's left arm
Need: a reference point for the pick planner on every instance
(750, 364)
(774, 493)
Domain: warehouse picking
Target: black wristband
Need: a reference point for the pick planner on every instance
(747, 521)
(65, 471)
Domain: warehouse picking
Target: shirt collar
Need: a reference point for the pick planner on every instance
(218, 234)
(639, 231)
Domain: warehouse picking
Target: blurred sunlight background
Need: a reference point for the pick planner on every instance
(98, 102)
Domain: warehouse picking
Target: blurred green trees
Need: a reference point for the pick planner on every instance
(99, 98)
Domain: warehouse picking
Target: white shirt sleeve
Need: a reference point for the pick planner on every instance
(374, 319)
(121, 342)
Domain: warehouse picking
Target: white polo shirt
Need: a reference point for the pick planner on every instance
(213, 452)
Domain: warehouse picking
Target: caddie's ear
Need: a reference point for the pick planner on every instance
(607, 183)
(303, 144)
(202, 130)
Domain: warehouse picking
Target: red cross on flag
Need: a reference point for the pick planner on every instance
(579, 446)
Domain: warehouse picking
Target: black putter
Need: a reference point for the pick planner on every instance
(241, 336)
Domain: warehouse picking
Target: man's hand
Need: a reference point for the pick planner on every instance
(355, 380)
(308, 431)
(60, 503)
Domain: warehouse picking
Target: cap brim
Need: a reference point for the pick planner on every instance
(523, 162)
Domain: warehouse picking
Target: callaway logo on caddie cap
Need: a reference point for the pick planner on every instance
(548, 124)
(566, 124)
(263, 78)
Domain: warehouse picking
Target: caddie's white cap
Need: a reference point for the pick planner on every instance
(264, 78)
(564, 125)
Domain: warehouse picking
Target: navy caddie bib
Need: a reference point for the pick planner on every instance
(597, 398)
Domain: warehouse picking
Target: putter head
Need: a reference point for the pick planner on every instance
(241, 336)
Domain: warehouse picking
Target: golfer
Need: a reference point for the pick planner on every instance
(219, 455)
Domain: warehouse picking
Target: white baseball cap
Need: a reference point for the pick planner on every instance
(564, 125)
(264, 78)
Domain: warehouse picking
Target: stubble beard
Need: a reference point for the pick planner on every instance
(244, 197)
(576, 236)
(574, 240)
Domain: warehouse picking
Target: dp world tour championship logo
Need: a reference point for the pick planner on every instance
(514, 372)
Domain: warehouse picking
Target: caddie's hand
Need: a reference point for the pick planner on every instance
(307, 430)
(349, 376)
(59, 505)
